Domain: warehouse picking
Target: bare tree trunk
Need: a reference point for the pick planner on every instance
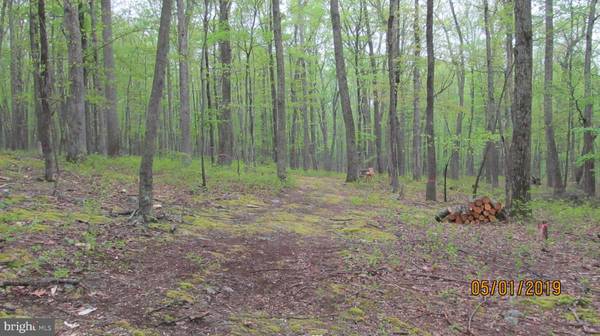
(76, 139)
(112, 119)
(225, 124)
(2, 16)
(280, 119)
(158, 83)
(492, 163)
(470, 159)
(211, 133)
(520, 150)
(376, 104)
(340, 67)
(98, 110)
(417, 165)
(19, 111)
(394, 74)
(45, 118)
(430, 194)
(184, 91)
(455, 156)
(589, 176)
(552, 163)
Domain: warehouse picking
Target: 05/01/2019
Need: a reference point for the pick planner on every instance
(515, 287)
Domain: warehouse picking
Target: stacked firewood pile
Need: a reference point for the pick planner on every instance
(479, 210)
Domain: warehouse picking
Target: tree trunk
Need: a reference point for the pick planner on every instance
(520, 150)
(455, 158)
(19, 134)
(2, 16)
(492, 163)
(552, 163)
(430, 194)
(76, 138)
(340, 67)
(589, 177)
(393, 51)
(225, 122)
(184, 91)
(98, 110)
(417, 165)
(112, 119)
(376, 104)
(280, 119)
(158, 83)
(211, 133)
(39, 54)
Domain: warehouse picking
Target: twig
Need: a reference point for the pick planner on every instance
(39, 282)
(473, 314)
(436, 277)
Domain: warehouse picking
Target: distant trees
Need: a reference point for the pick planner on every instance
(226, 87)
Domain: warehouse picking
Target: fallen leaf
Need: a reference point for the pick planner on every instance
(86, 311)
(71, 325)
(53, 290)
(39, 292)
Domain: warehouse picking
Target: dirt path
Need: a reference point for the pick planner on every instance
(323, 258)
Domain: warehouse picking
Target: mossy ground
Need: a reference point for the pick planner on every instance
(312, 256)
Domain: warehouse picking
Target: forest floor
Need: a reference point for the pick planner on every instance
(249, 256)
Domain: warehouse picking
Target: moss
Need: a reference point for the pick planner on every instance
(550, 302)
(367, 233)
(186, 285)
(585, 314)
(180, 295)
(161, 226)
(395, 325)
(133, 331)
(307, 327)
(354, 314)
(15, 258)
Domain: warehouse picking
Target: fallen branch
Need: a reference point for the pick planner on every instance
(39, 282)
(473, 314)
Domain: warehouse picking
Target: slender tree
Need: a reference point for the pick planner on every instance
(520, 150)
(430, 194)
(490, 151)
(455, 158)
(394, 79)
(112, 119)
(589, 177)
(158, 83)
(417, 166)
(44, 118)
(552, 163)
(280, 119)
(340, 69)
(184, 91)
(76, 136)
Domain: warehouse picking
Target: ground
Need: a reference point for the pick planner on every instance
(251, 256)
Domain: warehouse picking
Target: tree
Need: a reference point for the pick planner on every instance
(280, 119)
(158, 83)
(416, 143)
(376, 103)
(490, 151)
(430, 193)
(45, 114)
(520, 149)
(76, 136)
(394, 79)
(184, 91)
(225, 122)
(340, 69)
(112, 120)
(589, 177)
(552, 163)
(455, 158)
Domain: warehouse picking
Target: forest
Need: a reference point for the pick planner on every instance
(257, 167)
